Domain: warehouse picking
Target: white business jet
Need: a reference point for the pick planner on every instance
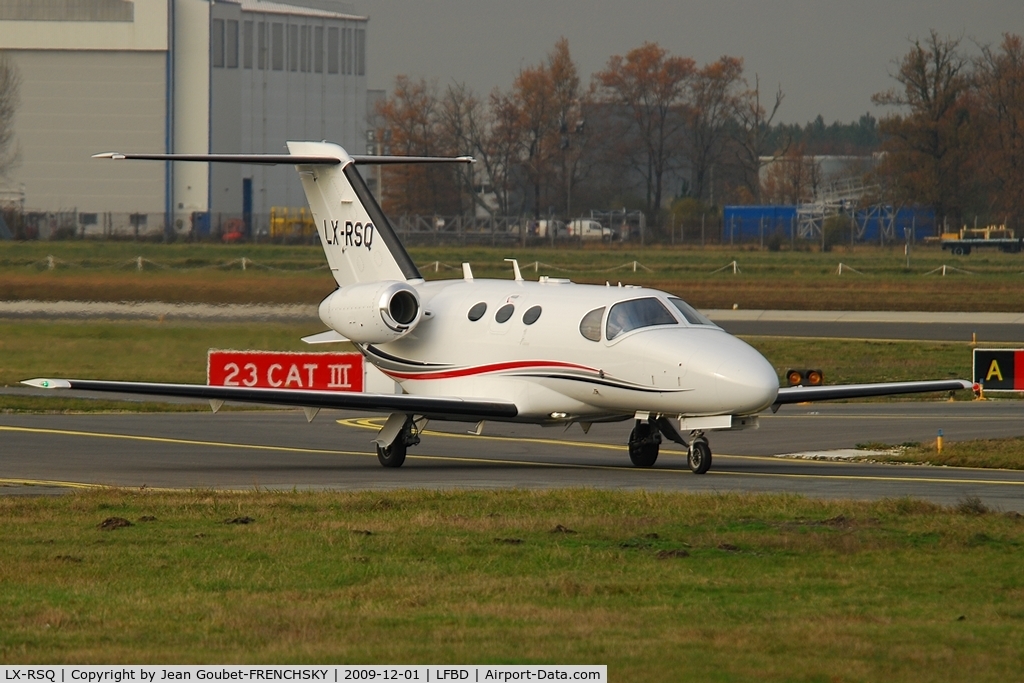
(549, 352)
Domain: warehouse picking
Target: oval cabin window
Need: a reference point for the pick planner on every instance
(477, 311)
(504, 313)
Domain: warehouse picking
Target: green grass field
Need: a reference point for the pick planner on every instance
(660, 587)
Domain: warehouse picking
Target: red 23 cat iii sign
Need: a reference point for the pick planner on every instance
(273, 370)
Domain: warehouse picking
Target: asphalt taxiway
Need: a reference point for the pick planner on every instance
(48, 453)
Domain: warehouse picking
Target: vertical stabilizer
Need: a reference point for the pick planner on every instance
(360, 244)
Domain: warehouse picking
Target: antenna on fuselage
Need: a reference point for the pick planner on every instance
(515, 268)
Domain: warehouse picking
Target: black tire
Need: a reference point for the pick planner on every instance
(393, 455)
(643, 449)
(699, 457)
(958, 251)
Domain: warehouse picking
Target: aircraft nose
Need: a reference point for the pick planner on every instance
(745, 382)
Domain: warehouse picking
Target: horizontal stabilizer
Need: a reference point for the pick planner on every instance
(268, 159)
(470, 410)
(840, 391)
(371, 160)
(291, 159)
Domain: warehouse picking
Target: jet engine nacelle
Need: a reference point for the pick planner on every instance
(374, 312)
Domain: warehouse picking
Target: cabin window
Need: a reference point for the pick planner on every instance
(531, 315)
(504, 313)
(626, 316)
(477, 311)
(692, 315)
(590, 326)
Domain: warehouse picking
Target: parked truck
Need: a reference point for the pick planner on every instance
(998, 236)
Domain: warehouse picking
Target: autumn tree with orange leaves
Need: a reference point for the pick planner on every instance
(651, 85)
(793, 178)
(928, 145)
(410, 124)
(1000, 116)
(546, 98)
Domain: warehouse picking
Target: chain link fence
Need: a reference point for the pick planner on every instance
(291, 225)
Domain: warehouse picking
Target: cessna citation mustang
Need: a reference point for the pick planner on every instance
(549, 352)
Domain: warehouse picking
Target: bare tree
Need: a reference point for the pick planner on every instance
(500, 147)
(752, 131)
(10, 84)
(713, 101)
(459, 119)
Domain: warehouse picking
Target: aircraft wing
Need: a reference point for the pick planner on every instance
(428, 406)
(827, 393)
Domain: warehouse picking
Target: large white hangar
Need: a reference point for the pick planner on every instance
(175, 76)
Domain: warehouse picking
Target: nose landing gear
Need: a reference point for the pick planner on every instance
(698, 456)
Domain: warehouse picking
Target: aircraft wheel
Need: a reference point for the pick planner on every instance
(699, 456)
(643, 445)
(393, 455)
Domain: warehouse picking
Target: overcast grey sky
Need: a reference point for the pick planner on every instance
(829, 56)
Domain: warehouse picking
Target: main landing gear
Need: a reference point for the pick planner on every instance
(645, 440)
(393, 455)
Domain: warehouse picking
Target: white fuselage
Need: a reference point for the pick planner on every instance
(555, 374)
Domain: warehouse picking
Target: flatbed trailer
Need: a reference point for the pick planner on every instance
(961, 243)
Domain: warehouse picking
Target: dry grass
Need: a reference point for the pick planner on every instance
(788, 280)
(1005, 453)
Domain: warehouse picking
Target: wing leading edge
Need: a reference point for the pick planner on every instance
(429, 406)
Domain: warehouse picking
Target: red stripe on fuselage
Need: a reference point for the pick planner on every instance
(486, 369)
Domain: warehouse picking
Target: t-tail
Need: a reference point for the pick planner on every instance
(360, 244)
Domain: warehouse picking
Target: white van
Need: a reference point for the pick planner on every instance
(544, 228)
(587, 229)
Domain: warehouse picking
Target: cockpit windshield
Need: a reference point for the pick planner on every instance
(631, 315)
(692, 315)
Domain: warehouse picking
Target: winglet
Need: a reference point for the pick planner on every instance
(41, 383)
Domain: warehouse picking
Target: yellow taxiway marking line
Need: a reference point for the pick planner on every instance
(187, 442)
(377, 423)
(855, 477)
(46, 482)
(289, 449)
(491, 461)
